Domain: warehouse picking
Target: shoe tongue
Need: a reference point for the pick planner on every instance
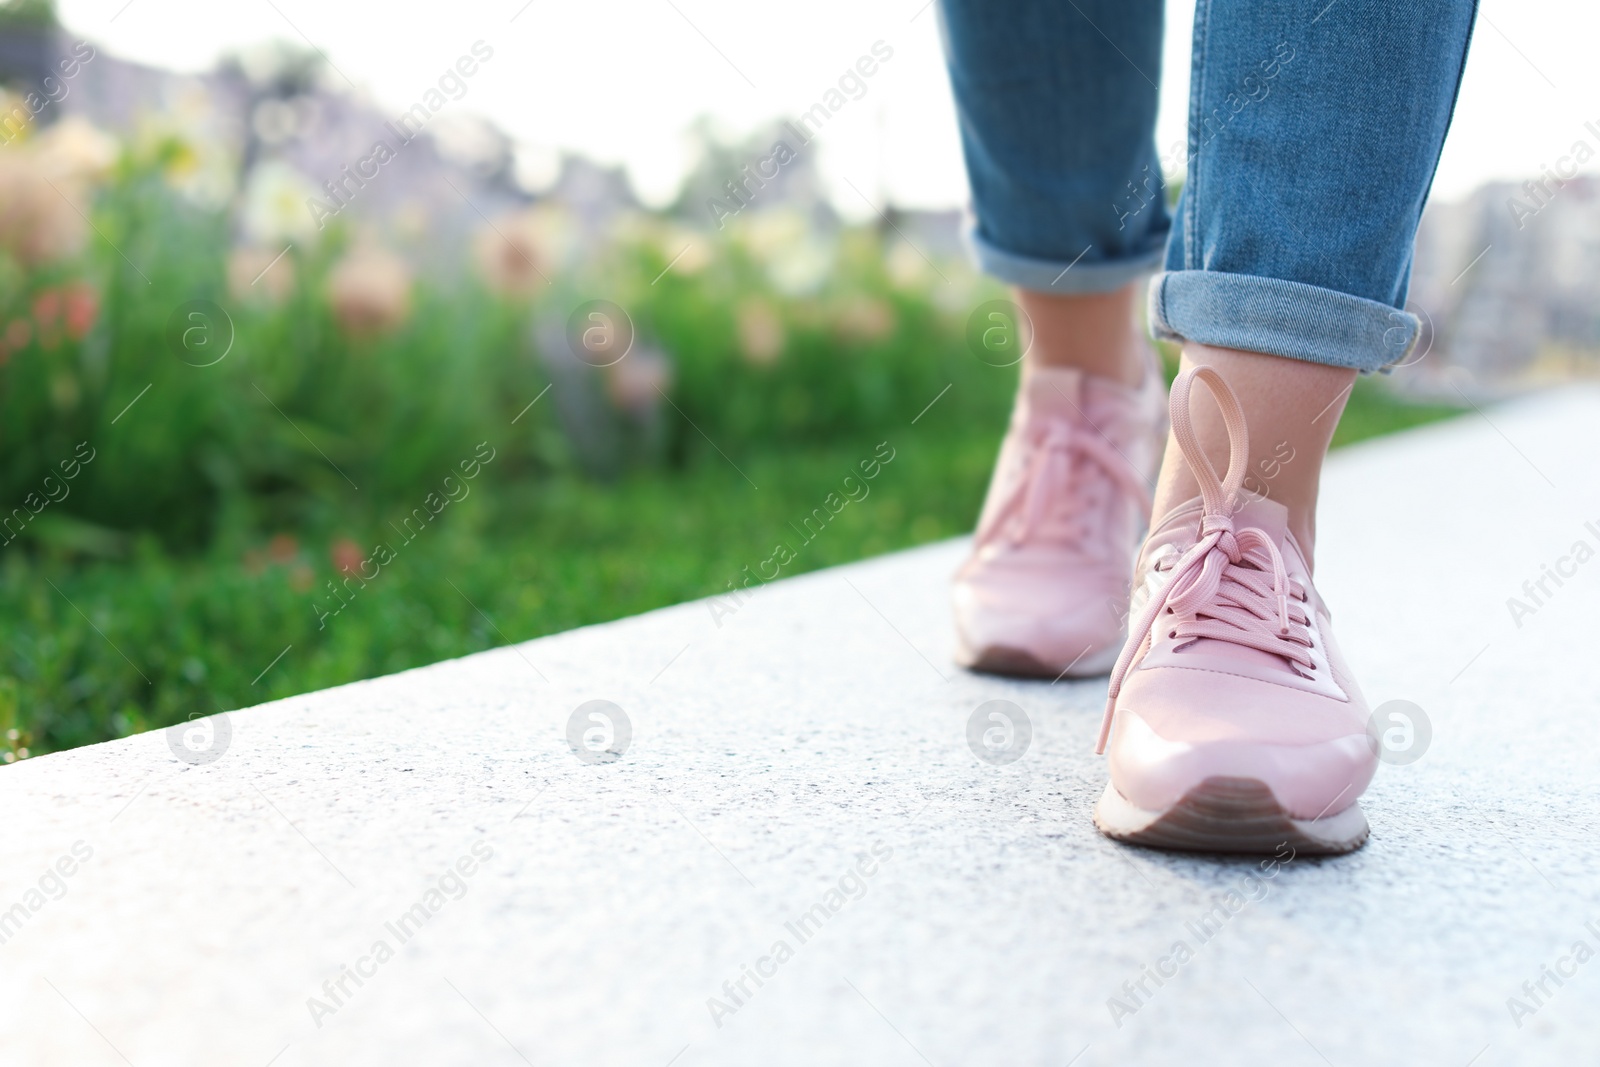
(1054, 391)
(1181, 526)
(1068, 393)
(1272, 518)
(1053, 398)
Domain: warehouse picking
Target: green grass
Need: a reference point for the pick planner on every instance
(161, 638)
(1375, 410)
(95, 650)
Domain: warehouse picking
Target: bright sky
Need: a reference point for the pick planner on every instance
(620, 80)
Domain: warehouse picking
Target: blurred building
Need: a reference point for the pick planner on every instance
(281, 106)
(1510, 278)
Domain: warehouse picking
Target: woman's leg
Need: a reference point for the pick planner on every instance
(1097, 333)
(1057, 107)
(1315, 127)
(1314, 131)
(1292, 408)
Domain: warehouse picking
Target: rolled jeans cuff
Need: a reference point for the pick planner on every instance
(1065, 276)
(1280, 318)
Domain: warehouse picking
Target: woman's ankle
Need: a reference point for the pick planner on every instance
(1096, 333)
(1291, 408)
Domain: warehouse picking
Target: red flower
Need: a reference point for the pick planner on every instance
(346, 555)
(282, 548)
(47, 307)
(83, 308)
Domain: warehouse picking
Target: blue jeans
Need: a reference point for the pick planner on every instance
(1314, 131)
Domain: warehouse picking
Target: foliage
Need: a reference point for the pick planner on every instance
(90, 651)
(28, 14)
(303, 420)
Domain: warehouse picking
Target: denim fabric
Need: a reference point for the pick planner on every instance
(1057, 117)
(1314, 130)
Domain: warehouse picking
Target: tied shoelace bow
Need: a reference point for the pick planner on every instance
(1231, 585)
(1050, 464)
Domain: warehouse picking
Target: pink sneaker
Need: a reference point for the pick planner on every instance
(1234, 725)
(1045, 591)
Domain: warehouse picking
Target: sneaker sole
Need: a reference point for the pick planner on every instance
(1229, 815)
(1015, 663)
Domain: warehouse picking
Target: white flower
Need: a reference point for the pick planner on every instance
(796, 258)
(264, 275)
(74, 150)
(510, 257)
(637, 383)
(761, 333)
(370, 290)
(39, 221)
(275, 205)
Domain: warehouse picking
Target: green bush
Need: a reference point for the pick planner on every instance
(28, 14)
(303, 424)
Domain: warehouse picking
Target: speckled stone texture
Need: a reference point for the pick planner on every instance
(820, 723)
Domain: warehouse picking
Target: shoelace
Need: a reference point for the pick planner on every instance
(1050, 464)
(1231, 585)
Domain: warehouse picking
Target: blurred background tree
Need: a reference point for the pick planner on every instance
(29, 14)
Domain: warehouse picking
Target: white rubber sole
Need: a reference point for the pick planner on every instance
(1230, 815)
